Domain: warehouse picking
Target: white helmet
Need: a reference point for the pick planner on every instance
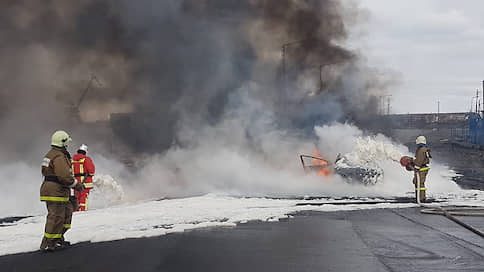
(60, 138)
(421, 140)
(83, 147)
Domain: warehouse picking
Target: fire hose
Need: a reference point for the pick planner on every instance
(450, 212)
(408, 163)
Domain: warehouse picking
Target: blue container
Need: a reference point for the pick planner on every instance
(476, 129)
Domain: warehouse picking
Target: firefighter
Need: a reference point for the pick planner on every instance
(83, 169)
(55, 191)
(421, 161)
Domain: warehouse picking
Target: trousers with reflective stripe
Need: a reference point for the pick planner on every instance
(83, 198)
(419, 182)
(59, 215)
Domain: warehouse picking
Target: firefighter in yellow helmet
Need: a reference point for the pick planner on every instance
(421, 161)
(55, 191)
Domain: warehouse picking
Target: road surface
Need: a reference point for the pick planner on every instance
(365, 240)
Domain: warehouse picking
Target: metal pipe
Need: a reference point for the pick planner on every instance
(442, 211)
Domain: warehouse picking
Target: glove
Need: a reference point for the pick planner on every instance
(80, 187)
(74, 202)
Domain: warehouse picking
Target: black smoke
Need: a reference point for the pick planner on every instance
(174, 62)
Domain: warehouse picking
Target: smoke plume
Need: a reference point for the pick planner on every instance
(172, 63)
(156, 83)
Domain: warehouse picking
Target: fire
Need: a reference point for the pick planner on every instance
(320, 164)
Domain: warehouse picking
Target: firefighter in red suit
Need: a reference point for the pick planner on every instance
(83, 169)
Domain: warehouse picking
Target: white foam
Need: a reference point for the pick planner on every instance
(106, 192)
(224, 162)
(155, 218)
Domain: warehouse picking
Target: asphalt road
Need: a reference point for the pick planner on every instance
(367, 240)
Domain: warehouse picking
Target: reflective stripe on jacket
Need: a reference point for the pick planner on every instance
(422, 158)
(83, 169)
(57, 163)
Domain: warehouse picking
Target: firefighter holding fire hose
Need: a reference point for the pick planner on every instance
(420, 166)
(422, 159)
(83, 169)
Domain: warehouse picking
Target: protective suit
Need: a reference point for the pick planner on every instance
(421, 161)
(83, 169)
(55, 191)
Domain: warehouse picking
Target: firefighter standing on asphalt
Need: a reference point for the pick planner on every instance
(421, 161)
(83, 169)
(55, 191)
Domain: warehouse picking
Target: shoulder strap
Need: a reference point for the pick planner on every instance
(82, 160)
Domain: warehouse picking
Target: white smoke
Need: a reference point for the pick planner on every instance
(20, 191)
(245, 154)
(220, 160)
(20, 194)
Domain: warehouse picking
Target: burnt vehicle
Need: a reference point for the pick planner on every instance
(351, 173)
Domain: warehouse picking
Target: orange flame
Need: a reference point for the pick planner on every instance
(322, 165)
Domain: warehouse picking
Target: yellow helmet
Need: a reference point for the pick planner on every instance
(60, 138)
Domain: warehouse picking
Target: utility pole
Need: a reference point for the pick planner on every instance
(477, 100)
(321, 77)
(382, 105)
(283, 53)
(321, 73)
(483, 98)
(438, 110)
(284, 62)
(388, 105)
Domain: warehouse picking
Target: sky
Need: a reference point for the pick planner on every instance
(433, 47)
